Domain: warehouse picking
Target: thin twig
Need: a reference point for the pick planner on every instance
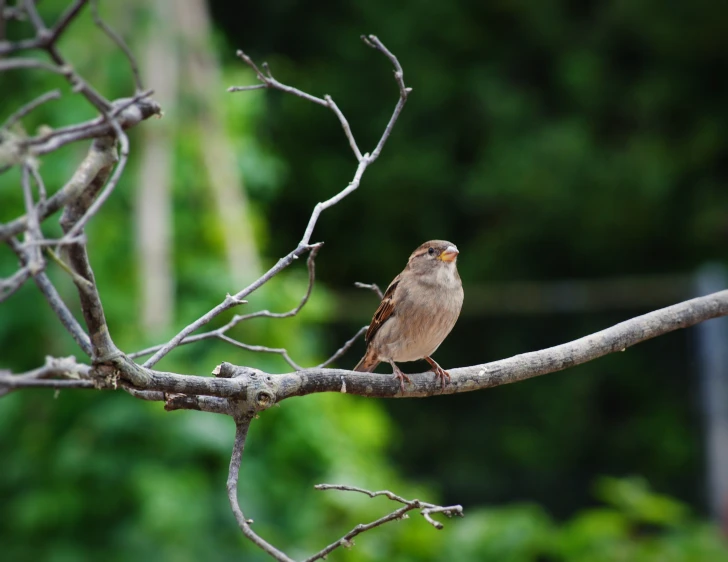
(72, 374)
(95, 162)
(344, 348)
(77, 279)
(427, 508)
(304, 245)
(35, 260)
(10, 383)
(63, 313)
(57, 242)
(374, 42)
(372, 287)
(97, 127)
(9, 286)
(311, 265)
(16, 63)
(247, 88)
(55, 301)
(270, 82)
(35, 18)
(219, 333)
(231, 301)
(42, 194)
(347, 541)
(30, 106)
(241, 432)
(409, 505)
(345, 126)
(64, 21)
(116, 38)
(261, 349)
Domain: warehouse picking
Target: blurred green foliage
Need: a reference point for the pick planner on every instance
(569, 139)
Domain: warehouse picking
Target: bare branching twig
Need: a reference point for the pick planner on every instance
(30, 106)
(426, 509)
(372, 287)
(57, 373)
(344, 348)
(116, 38)
(304, 245)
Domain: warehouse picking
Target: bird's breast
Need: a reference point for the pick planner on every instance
(425, 315)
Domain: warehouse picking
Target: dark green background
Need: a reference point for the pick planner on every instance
(552, 141)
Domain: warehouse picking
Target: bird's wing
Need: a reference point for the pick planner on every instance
(384, 312)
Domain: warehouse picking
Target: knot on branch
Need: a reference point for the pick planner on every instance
(260, 388)
(106, 376)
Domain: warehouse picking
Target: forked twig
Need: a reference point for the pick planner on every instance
(116, 38)
(304, 245)
(426, 509)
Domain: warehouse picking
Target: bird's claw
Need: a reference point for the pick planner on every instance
(402, 377)
(399, 375)
(440, 373)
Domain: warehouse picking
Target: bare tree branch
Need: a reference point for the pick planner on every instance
(99, 200)
(344, 348)
(14, 383)
(16, 63)
(264, 389)
(93, 312)
(220, 332)
(72, 375)
(426, 509)
(46, 39)
(372, 287)
(304, 245)
(237, 391)
(54, 300)
(116, 38)
(520, 367)
(262, 349)
(30, 106)
(13, 283)
(374, 42)
(64, 315)
(35, 260)
(241, 432)
(127, 113)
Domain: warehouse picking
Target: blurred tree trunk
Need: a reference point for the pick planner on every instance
(205, 85)
(179, 41)
(153, 204)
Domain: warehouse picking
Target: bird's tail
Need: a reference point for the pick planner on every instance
(368, 363)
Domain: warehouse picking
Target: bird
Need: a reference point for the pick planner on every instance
(418, 311)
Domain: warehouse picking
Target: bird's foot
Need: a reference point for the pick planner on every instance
(440, 373)
(400, 375)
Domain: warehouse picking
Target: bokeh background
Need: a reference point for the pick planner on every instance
(574, 151)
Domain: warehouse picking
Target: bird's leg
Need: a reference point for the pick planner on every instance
(399, 374)
(440, 373)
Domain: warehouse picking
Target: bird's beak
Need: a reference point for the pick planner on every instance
(450, 253)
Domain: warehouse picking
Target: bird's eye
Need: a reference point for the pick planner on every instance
(431, 251)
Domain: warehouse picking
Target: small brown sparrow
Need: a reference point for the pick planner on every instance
(418, 310)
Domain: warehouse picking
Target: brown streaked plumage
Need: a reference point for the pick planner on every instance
(418, 311)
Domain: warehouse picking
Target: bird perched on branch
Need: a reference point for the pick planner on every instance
(418, 310)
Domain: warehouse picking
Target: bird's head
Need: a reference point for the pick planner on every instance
(434, 254)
